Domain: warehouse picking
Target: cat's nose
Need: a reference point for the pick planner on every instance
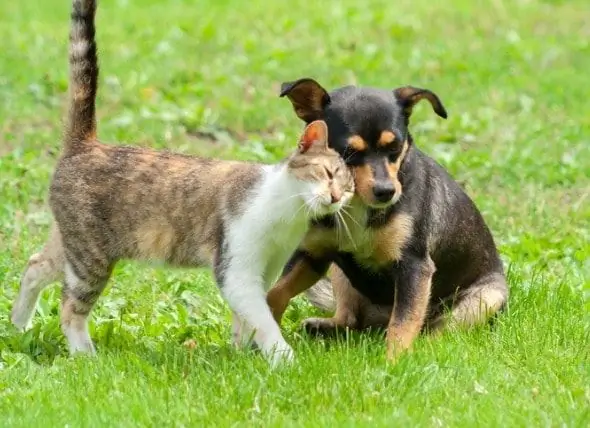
(335, 197)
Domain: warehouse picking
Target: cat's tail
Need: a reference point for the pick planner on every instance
(81, 121)
(321, 295)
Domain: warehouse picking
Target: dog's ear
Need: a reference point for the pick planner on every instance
(315, 134)
(308, 98)
(408, 96)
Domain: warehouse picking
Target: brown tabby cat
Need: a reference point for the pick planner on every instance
(112, 203)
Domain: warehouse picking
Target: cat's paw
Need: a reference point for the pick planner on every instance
(22, 322)
(81, 346)
(22, 313)
(280, 355)
(243, 340)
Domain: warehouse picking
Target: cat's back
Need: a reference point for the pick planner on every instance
(135, 175)
(145, 203)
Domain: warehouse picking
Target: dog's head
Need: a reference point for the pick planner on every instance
(369, 129)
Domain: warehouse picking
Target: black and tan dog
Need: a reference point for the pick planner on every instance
(413, 243)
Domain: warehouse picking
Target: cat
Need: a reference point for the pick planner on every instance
(115, 202)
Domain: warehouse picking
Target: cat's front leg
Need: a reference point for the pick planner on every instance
(241, 334)
(244, 291)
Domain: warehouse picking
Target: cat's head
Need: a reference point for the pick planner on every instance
(327, 183)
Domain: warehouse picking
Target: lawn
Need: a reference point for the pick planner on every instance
(203, 77)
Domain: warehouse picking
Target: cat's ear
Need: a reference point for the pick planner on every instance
(315, 134)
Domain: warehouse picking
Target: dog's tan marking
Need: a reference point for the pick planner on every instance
(347, 301)
(389, 241)
(405, 323)
(363, 182)
(346, 297)
(474, 305)
(386, 138)
(357, 143)
(394, 167)
(300, 278)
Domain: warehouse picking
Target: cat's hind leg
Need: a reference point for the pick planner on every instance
(43, 268)
(82, 288)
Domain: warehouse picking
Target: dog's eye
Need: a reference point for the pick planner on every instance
(353, 158)
(394, 154)
(328, 173)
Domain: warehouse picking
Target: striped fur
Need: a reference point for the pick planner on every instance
(81, 123)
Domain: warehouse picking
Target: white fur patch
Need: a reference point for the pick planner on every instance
(260, 240)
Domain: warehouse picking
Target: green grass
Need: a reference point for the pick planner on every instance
(514, 77)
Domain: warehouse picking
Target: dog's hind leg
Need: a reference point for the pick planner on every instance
(348, 302)
(474, 305)
(42, 269)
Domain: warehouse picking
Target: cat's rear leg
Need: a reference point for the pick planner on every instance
(82, 288)
(42, 269)
(474, 305)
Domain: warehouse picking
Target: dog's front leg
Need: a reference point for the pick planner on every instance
(301, 273)
(412, 293)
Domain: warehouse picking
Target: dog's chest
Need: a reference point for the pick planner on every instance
(374, 246)
(354, 237)
(377, 283)
(353, 232)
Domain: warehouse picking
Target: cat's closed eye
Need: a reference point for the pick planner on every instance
(329, 173)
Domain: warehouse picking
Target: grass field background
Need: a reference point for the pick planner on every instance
(203, 77)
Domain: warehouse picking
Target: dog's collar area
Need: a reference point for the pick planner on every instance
(378, 217)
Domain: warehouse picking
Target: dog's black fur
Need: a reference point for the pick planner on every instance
(429, 244)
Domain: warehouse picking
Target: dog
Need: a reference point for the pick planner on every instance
(414, 253)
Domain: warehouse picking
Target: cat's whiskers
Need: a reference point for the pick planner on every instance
(302, 207)
(307, 206)
(291, 197)
(350, 216)
(350, 155)
(346, 228)
(313, 205)
(337, 220)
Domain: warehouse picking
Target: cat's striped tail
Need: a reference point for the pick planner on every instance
(81, 122)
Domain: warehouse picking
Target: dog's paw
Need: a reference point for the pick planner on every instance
(319, 326)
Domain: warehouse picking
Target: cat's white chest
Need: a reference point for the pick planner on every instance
(280, 246)
(272, 226)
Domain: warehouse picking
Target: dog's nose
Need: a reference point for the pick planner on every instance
(384, 193)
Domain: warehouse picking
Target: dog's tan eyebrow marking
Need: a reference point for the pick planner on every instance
(386, 138)
(357, 143)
